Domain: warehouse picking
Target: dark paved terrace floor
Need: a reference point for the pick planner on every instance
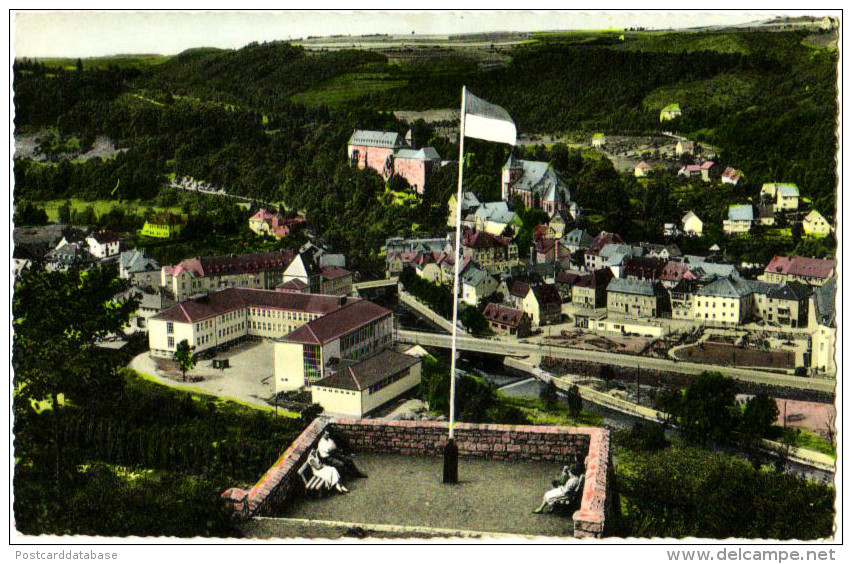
(406, 490)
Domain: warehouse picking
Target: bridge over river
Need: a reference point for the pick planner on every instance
(520, 349)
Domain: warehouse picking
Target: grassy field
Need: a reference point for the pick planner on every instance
(802, 438)
(347, 88)
(540, 415)
(101, 207)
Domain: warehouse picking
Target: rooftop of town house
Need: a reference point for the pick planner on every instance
(232, 264)
(484, 240)
(502, 314)
(406, 491)
(424, 154)
(801, 266)
(384, 139)
(726, 288)
(634, 287)
(598, 279)
(578, 237)
(732, 174)
(475, 276)
(790, 291)
(604, 238)
(824, 302)
(230, 299)
(135, 261)
(352, 314)
(546, 294)
(333, 272)
(369, 371)
(104, 237)
(741, 213)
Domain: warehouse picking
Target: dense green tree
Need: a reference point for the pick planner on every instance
(691, 492)
(29, 214)
(708, 411)
(184, 357)
(58, 317)
(759, 415)
(65, 212)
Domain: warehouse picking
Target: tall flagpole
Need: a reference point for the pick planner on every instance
(451, 451)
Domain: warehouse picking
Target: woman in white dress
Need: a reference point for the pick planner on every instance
(571, 486)
(329, 475)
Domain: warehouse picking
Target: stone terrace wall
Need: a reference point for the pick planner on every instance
(495, 442)
(275, 486)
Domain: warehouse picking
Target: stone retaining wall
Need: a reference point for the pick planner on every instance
(495, 442)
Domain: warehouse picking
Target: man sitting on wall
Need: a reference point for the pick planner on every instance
(331, 456)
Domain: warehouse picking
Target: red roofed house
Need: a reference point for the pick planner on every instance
(813, 271)
(731, 176)
(508, 321)
(356, 329)
(200, 275)
(265, 222)
(604, 238)
(317, 280)
(706, 171)
(643, 268)
(642, 168)
(231, 315)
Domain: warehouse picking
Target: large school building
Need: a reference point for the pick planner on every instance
(234, 314)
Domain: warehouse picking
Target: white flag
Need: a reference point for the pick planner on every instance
(484, 120)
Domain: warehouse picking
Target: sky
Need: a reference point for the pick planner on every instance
(93, 34)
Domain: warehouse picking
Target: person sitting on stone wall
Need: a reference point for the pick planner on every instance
(578, 468)
(562, 494)
(330, 455)
(325, 477)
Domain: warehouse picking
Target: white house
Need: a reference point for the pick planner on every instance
(476, 285)
(785, 196)
(740, 219)
(692, 225)
(816, 225)
(103, 244)
(684, 146)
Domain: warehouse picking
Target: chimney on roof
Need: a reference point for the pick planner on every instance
(342, 301)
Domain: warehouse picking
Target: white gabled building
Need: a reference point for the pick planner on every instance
(692, 225)
(816, 225)
(784, 196)
(103, 244)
